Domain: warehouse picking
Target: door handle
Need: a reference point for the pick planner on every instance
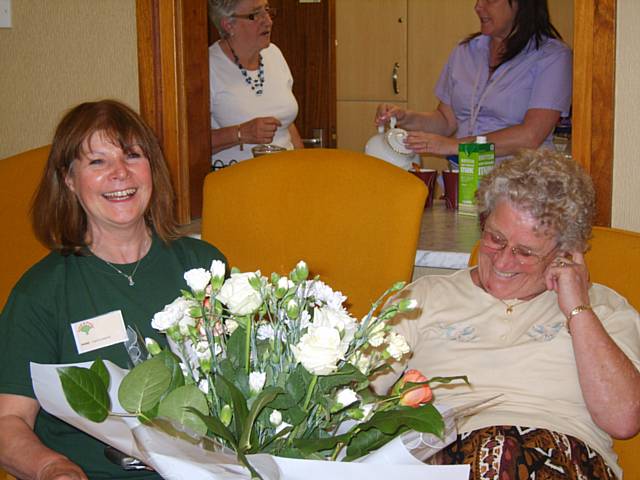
(394, 78)
(316, 141)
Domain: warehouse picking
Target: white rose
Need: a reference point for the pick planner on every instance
(217, 269)
(275, 418)
(330, 317)
(319, 350)
(346, 397)
(396, 345)
(197, 279)
(256, 381)
(170, 315)
(239, 296)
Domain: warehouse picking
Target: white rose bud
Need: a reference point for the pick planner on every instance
(170, 315)
(152, 346)
(397, 346)
(275, 418)
(197, 279)
(256, 381)
(346, 397)
(407, 305)
(218, 270)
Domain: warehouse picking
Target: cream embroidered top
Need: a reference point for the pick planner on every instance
(526, 356)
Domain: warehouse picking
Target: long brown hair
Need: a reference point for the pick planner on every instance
(59, 221)
(532, 21)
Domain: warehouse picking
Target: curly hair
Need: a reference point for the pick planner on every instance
(552, 188)
(219, 9)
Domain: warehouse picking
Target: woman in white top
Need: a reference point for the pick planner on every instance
(251, 85)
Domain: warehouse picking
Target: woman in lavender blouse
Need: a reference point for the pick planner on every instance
(511, 82)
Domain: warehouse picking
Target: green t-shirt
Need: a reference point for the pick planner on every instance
(35, 326)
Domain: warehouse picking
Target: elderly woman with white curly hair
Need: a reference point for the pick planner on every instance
(526, 325)
(251, 85)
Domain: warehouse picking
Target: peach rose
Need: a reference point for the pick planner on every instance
(417, 395)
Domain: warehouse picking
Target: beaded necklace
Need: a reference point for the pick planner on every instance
(257, 83)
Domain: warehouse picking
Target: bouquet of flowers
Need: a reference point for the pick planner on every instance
(270, 365)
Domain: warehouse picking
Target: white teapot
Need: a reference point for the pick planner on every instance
(389, 146)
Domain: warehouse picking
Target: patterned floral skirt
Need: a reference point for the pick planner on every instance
(518, 453)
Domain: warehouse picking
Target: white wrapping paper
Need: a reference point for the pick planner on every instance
(178, 459)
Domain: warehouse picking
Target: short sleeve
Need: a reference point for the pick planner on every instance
(553, 78)
(443, 86)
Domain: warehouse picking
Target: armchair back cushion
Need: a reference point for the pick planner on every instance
(353, 218)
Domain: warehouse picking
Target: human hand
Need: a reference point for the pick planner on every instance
(61, 469)
(569, 278)
(422, 142)
(385, 111)
(259, 130)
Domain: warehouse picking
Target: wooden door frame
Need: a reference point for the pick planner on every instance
(174, 93)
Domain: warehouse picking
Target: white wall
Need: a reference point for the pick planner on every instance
(626, 167)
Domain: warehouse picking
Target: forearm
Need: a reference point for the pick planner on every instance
(295, 136)
(226, 137)
(432, 122)
(609, 381)
(25, 457)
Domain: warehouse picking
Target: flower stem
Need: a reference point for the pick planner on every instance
(247, 347)
(305, 406)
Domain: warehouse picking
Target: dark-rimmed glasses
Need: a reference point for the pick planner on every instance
(525, 256)
(259, 15)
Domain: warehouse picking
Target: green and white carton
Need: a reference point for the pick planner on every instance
(475, 160)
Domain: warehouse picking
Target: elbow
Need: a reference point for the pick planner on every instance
(620, 427)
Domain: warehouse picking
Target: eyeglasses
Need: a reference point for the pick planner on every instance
(259, 15)
(525, 256)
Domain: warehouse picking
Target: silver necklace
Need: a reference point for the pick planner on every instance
(128, 277)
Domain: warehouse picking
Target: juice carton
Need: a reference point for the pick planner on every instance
(475, 160)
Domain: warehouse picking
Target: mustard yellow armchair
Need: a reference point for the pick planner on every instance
(353, 218)
(614, 261)
(19, 249)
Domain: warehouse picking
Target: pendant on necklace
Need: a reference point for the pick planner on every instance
(131, 282)
(510, 309)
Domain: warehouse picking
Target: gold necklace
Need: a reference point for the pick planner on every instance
(510, 308)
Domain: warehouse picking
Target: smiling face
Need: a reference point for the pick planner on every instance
(113, 185)
(496, 17)
(500, 272)
(251, 35)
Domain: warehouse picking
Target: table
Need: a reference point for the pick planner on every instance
(446, 238)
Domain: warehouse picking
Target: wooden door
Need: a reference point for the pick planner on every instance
(371, 38)
(305, 32)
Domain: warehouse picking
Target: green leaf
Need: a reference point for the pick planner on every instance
(364, 442)
(144, 386)
(425, 418)
(298, 383)
(216, 427)
(85, 391)
(237, 401)
(175, 404)
(99, 367)
(261, 401)
(173, 364)
(346, 375)
(311, 445)
(236, 348)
